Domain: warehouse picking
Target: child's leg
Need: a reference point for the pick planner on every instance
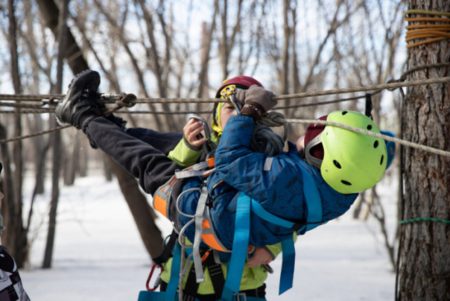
(165, 142)
(145, 162)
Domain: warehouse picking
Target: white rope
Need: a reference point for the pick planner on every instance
(369, 133)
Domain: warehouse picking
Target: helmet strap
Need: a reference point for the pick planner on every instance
(308, 155)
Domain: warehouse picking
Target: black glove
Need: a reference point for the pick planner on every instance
(81, 103)
(257, 101)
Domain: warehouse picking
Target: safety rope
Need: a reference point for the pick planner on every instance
(427, 12)
(420, 67)
(35, 134)
(29, 111)
(426, 30)
(264, 139)
(377, 135)
(110, 111)
(112, 98)
(39, 109)
(375, 88)
(424, 219)
(389, 86)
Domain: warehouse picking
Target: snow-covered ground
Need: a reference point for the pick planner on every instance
(99, 256)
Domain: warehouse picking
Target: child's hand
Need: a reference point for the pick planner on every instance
(260, 256)
(192, 133)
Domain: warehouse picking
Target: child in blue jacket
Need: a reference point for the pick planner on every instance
(351, 163)
(338, 164)
(280, 187)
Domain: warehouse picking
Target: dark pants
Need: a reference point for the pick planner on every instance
(142, 152)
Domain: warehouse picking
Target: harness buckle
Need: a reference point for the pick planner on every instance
(241, 297)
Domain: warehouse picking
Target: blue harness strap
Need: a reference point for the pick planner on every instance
(262, 213)
(287, 246)
(287, 266)
(240, 248)
(313, 201)
(245, 204)
(314, 219)
(171, 293)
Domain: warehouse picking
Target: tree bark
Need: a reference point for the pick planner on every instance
(424, 268)
(15, 237)
(286, 42)
(73, 54)
(56, 139)
(143, 214)
(159, 70)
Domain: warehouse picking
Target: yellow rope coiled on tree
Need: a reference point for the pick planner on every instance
(434, 27)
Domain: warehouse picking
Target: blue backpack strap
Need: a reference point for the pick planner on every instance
(287, 246)
(171, 293)
(313, 201)
(172, 286)
(262, 213)
(314, 218)
(240, 248)
(287, 267)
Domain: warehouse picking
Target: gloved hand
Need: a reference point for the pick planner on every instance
(81, 103)
(257, 101)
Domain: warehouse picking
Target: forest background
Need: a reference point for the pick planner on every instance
(166, 50)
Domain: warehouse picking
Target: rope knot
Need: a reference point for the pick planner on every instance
(126, 100)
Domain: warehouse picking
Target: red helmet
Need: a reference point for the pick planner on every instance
(313, 145)
(241, 81)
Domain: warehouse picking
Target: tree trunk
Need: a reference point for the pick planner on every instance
(147, 229)
(56, 138)
(143, 214)
(16, 237)
(424, 270)
(285, 57)
(35, 121)
(205, 55)
(50, 13)
(72, 164)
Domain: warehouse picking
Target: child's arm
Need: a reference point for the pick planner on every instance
(183, 154)
(245, 170)
(188, 150)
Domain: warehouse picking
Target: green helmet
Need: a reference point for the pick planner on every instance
(352, 162)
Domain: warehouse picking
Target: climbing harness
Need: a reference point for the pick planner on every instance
(246, 206)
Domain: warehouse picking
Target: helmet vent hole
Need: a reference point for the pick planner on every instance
(382, 159)
(346, 183)
(369, 127)
(375, 144)
(336, 163)
(344, 112)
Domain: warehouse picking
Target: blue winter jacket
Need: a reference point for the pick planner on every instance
(279, 190)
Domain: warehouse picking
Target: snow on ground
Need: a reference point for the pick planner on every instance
(99, 256)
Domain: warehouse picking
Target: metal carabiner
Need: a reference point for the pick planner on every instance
(236, 103)
(150, 275)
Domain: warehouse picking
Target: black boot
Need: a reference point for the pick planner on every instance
(81, 103)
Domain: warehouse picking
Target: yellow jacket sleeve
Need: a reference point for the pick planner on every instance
(183, 154)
